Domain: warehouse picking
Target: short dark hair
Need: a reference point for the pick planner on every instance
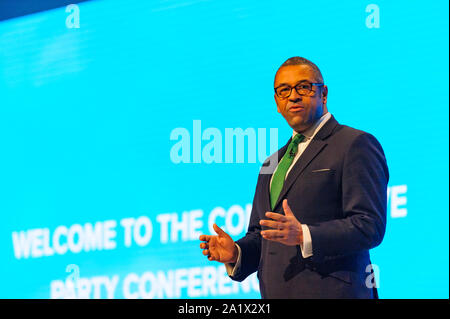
(296, 60)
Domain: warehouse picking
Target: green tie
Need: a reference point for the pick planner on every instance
(283, 166)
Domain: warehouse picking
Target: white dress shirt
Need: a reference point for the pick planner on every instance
(306, 247)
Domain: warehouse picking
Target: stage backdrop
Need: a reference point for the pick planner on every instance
(129, 127)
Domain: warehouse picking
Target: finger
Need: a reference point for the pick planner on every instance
(287, 209)
(204, 246)
(271, 224)
(205, 237)
(218, 230)
(274, 238)
(278, 217)
(272, 234)
(205, 252)
(211, 257)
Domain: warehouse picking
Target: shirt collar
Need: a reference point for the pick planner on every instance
(311, 131)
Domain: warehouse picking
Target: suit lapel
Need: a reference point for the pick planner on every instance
(315, 147)
(267, 177)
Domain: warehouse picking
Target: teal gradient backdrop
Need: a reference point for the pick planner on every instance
(86, 116)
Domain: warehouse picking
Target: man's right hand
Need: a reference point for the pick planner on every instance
(220, 248)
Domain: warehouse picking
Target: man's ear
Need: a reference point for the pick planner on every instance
(325, 93)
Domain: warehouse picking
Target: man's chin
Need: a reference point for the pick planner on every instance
(298, 124)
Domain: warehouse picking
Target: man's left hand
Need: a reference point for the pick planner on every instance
(287, 229)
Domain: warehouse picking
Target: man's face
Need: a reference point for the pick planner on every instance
(300, 111)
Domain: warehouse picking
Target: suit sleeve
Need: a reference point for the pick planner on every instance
(364, 198)
(250, 244)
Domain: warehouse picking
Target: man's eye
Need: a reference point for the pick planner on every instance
(303, 87)
(284, 90)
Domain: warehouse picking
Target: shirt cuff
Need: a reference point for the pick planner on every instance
(232, 269)
(306, 248)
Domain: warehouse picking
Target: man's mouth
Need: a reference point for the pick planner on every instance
(296, 108)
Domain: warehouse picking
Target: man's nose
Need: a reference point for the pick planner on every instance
(295, 97)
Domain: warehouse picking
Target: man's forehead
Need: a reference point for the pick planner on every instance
(291, 74)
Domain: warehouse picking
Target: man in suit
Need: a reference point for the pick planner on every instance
(317, 214)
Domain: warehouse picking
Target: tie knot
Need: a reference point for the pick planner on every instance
(292, 149)
(297, 139)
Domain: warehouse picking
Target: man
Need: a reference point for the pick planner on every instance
(316, 216)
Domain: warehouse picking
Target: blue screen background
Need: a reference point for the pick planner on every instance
(86, 116)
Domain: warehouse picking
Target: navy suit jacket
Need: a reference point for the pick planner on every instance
(338, 187)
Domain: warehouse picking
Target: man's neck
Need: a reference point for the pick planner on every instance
(309, 132)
